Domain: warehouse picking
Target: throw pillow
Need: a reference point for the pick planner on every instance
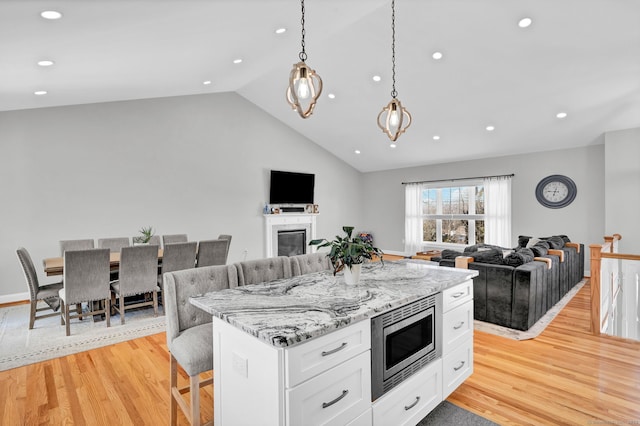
(532, 242)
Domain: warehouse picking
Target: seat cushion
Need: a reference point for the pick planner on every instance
(193, 349)
(115, 286)
(50, 290)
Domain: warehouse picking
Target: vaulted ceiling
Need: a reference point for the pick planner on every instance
(580, 57)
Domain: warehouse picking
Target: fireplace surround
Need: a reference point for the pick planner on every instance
(288, 223)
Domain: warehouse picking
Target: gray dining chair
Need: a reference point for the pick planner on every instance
(86, 279)
(189, 332)
(75, 245)
(309, 263)
(138, 275)
(178, 256)
(263, 270)
(226, 237)
(212, 252)
(47, 292)
(154, 240)
(114, 244)
(174, 238)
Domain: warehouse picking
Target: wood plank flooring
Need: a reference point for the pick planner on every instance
(565, 376)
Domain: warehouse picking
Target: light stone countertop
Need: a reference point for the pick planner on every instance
(285, 312)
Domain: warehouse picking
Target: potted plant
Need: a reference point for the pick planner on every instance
(145, 235)
(349, 252)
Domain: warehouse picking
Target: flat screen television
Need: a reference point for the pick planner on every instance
(291, 187)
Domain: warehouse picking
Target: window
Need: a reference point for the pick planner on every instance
(453, 214)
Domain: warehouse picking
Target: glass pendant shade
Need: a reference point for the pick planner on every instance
(394, 119)
(305, 87)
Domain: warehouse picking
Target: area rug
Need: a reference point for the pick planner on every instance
(448, 414)
(47, 340)
(536, 328)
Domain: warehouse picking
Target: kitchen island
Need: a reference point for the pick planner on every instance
(297, 351)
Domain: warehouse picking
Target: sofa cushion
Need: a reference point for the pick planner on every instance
(520, 257)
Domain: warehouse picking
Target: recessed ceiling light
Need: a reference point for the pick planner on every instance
(561, 114)
(40, 92)
(45, 63)
(331, 96)
(436, 138)
(237, 61)
(524, 22)
(51, 14)
(357, 151)
(281, 30)
(490, 128)
(206, 82)
(376, 78)
(437, 56)
(393, 145)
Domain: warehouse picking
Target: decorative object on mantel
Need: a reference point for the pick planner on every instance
(145, 235)
(350, 252)
(305, 86)
(396, 114)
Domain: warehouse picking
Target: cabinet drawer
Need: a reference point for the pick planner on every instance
(456, 367)
(319, 354)
(335, 397)
(410, 401)
(363, 420)
(456, 296)
(457, 326)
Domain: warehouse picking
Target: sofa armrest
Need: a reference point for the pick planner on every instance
(574, 245)
(545, 260)
(559, 253)
(463, 262)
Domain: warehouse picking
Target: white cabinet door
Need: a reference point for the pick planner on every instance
(408, 403)
(334, 397)
(457, 295)
(456, 367)
(457, 327)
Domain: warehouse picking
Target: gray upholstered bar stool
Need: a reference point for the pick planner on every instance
(189, 332)
(48, 292)
(308, 263)
(263, 270)
(226, 237)
(86, 279)
(212, 252)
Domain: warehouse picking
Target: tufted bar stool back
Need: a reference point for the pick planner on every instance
(309, 263)
(263, 270)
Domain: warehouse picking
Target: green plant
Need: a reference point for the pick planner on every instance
(348, 250)
(146, 234)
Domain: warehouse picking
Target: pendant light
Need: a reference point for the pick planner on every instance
(305, 86)
(394, 119)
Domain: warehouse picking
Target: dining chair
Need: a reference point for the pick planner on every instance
(138, 275)
(178, 256)
(47, 292)
(226, 237)
(154, 240)
(189, 332)
(114, 244)
(174, 238)
(212, 252)
(308, 263)
(263, 270)
(75, 245)
(86, 279)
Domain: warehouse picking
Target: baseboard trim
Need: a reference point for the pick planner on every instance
(16, 297)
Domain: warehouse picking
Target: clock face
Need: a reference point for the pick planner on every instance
(556, 191)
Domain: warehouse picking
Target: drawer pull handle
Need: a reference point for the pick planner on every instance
(458, 294)
(458, 325)
(333, 351)
(409, 407)
(330, 403)
(460, 366)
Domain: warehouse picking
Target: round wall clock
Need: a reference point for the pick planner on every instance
(556, 191)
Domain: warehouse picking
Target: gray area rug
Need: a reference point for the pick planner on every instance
(536, 328)
(47, 340)
(448, 414)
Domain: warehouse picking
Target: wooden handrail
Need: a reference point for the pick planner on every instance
(621, 256)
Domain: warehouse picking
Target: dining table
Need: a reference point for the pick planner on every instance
(55, 265)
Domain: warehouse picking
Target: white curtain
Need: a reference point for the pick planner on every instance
(413, 218)
(497, 213)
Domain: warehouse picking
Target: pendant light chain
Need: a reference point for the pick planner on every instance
(394, 94)
(303, 54)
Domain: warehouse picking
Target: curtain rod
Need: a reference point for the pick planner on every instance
(453, 180)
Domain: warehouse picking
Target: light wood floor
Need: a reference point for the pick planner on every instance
(565, 376)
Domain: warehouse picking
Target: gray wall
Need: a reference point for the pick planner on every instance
(582, 221)
(193, 164)
(622, 188)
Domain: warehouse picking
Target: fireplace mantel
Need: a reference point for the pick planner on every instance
(288, 221)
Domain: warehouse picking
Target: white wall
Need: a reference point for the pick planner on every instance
(192, 164)
(582, 220)
(622, 188)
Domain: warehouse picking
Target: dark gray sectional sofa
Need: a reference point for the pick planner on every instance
(517, 295)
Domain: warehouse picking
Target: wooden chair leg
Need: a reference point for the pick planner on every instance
(173, 384)
(121, 308)
(194, 384)
(79, 310)
(155, 303)
(62, 305)
(32, 315)
(66, 320)
(107, 311)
